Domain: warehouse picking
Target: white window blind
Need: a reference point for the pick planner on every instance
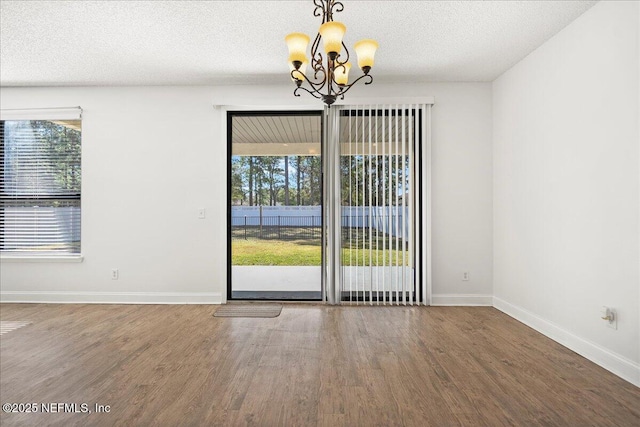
(40, 182)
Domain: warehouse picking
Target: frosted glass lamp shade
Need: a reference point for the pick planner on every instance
(297, 44)
(366, 50)
(341, 73)
(332, 33)
(300, 73)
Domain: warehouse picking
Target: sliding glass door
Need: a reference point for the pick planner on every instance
(330, 206)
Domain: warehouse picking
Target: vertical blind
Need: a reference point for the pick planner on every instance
(383, 184)
(40, 185)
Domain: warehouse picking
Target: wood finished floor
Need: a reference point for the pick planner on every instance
(313, 365)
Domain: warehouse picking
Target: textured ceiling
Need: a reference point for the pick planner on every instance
(202, 42)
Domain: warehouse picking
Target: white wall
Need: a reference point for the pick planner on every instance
(566, 187)
(153, 155)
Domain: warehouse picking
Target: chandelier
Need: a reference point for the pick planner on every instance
(329, 76)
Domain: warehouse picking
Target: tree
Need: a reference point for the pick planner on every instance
(237, 185)
(286, 180)
(274, 176)
(250, 181)
(64, 142)
(264, 180)
(298, 177)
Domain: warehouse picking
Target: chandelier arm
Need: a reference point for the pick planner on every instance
(345, 89)
(322, 81)
(338, 6)
(317, 64)
(320, 9)
(333, 75)
(315, 86)
(346, 50)
(316, 95)
(326, 9)
(315, 55)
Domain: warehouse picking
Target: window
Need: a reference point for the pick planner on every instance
(40, 181)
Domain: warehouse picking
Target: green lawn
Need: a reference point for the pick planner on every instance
(301, 253)
(274, 252)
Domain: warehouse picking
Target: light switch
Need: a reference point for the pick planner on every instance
(201, 213)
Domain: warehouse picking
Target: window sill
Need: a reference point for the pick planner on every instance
(43, 258)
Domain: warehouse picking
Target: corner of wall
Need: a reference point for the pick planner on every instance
(621, 366)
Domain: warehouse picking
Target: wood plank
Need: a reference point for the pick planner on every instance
(312, 365)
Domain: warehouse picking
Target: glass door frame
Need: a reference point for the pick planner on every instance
(239, 112)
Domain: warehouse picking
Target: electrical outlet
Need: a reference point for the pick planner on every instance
(613, 322)
(465, 276)
(610, 316)
(114, 274)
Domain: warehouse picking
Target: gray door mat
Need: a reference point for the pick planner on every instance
(248, 310)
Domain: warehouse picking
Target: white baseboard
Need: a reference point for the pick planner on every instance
(462, 299)
(619, 365)
(111, 297)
